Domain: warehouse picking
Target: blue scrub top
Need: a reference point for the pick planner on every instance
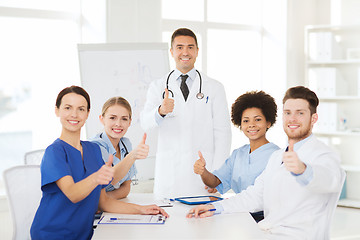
(57, 217)
(242, 168)
(107, 148)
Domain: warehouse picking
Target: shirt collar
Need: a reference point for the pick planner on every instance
(298, 145)
(191, 74)
(106, 139)
(112, 150)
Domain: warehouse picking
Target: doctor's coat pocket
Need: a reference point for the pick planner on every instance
(203, 110)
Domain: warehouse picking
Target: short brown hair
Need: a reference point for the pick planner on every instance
(254, 99)
(183, 32)
(73, 89)
(116, 101)
(301, 92)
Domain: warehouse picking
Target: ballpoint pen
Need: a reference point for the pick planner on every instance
(208, 210)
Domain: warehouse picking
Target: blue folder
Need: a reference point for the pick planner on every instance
(195, 200)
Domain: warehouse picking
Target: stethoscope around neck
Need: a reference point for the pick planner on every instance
(199, 95)
(126, 151)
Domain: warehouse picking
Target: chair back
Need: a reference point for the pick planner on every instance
(23, 188)
(34, 157)
(332, 204)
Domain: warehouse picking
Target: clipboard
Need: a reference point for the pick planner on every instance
(132, 219)
(195, 200)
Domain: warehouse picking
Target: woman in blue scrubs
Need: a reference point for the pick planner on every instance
(254, 113)
(73, 177)
(116, 118)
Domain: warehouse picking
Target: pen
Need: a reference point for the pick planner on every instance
(168, 200)
(125, 219)
(207, 99)
(209, 210)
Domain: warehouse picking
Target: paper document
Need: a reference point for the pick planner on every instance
(131, 219)
(166, 202)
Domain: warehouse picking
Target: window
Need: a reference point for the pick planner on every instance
(38, 58)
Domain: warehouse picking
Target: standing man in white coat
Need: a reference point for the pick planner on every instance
(191, 113)
(301, 184)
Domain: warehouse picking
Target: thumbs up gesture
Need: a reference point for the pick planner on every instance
(167, 105)
(142, 150)
(110, 160)
(199, 166)
(105, 174)
(291, 160)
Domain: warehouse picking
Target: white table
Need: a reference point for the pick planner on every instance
(222, 226)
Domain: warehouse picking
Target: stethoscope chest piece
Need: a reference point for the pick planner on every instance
(200, 95)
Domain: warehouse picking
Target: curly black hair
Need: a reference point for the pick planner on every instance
(254, 99)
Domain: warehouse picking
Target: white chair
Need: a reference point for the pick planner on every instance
(23, 189)
(332, 204)
(34, 157)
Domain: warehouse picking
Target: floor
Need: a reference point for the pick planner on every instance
(345, 225)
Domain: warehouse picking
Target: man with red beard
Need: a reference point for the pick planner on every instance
(300, 186)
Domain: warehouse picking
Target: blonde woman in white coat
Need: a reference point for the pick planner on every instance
(198, 122)
(301, 184)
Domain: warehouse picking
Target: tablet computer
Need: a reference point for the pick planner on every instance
(198, 199)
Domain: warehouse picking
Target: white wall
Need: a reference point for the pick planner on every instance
(349, 13)
(300, 14)
(134, 21)
(121, 21)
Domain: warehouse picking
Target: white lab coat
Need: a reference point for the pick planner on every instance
(291, 210)
(192, 126)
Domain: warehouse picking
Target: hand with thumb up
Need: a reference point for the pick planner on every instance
(291, 160)
(105, 174)
(167, 105)
(199, 166)
(207, 177)
(142, 150)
